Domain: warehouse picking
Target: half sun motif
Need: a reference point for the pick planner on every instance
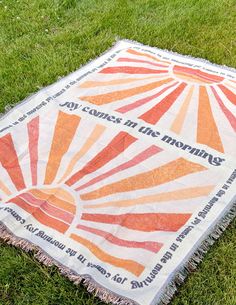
(188, 101)
(117, 196)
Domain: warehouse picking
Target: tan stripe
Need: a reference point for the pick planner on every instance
(64, 132)
(160, 175)
(134, 52)
(193, 78)
(207, 131)
(127, 264)
(54, 201)
(101, 99)
(230, 85)
(181, 194)
(94, 136)
(179, 120)
(60, 193)
(91, 84)
(4, 188)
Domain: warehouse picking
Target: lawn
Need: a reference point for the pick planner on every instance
(42, 40)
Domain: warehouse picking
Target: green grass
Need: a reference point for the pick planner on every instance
(41, 40)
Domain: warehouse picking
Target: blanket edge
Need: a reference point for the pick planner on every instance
(163, 298)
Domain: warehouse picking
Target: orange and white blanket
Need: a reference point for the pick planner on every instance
(123, 172)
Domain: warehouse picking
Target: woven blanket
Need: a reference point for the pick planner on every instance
(122, 174)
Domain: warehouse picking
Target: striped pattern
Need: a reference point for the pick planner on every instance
(160, 175)
(142, 222)
(104, 175)
(130, 265)
(119, 198)
(170, 97)
(207, 133)
(147, 245)
(112, 150)
(63, 135)
(157, 198)
(196, 75)
(49, 209)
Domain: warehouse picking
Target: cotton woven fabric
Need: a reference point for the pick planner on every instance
(123, 172)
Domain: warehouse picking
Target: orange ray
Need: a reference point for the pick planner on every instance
(146, 222)
(106, 98)
(181, 194)
(179, 120)
(59, 193)
(228, 93)
(132, 70)
(33, 134)
(93, 138)
(47, 208)
(92, 84)
(41, 216)
(9, 161)
(52, 199)
(144, 100)
(192, 79)
(134, 60)
(196, 75)
(163, 174)
(136, 160)
(63, 134)
(117, 145)
(126, 264)
(207, 131)
(134, 52)
(153, 115)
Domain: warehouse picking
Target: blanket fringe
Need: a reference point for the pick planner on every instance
(183, 56)
(105, 294)
(86, 280)
(196, 257)
(117, 40)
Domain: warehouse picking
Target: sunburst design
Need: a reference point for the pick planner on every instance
(188, 101)
(119, 197)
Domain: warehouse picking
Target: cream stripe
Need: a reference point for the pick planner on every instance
(179, 120)
(91, 84)
(94, 136)
(59, 193)
(162, 197)
(4, 188)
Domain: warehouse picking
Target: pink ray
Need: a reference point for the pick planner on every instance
(231, 118)
(147, 153)
(147, 245)
(143, 101)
